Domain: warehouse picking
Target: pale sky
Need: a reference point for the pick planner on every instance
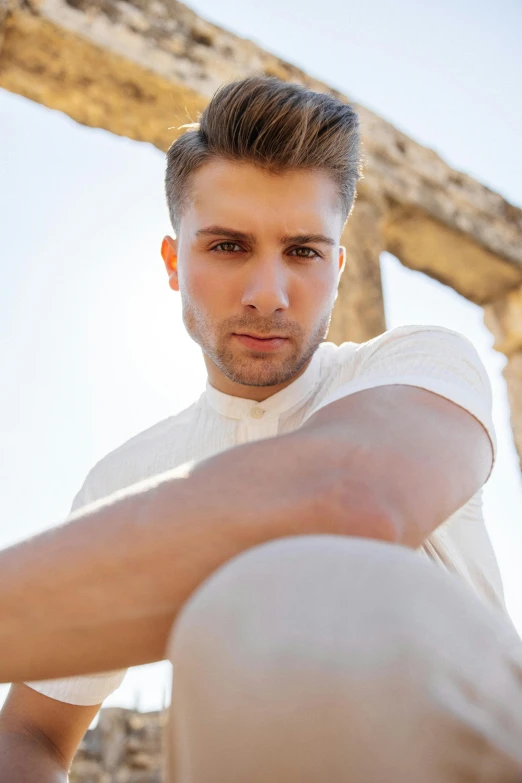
(91, 341)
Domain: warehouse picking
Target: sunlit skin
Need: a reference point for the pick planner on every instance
(280, 278)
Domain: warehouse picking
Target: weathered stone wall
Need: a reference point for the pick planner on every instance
(125, 747)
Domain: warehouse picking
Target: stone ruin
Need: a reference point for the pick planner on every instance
(142, 68)
(125, 747)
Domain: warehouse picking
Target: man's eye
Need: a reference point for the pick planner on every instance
(308, 252)
(227, 247)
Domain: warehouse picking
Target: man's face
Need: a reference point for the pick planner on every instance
(257, 254)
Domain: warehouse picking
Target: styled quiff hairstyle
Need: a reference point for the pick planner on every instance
(277, 125)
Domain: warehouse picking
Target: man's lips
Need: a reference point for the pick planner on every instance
(261, 343)
(261, 336)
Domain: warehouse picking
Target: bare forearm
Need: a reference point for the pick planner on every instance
(23, 760)
(101, 592)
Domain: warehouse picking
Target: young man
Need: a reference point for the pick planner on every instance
(315, 514)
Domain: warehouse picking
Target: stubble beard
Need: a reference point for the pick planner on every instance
(253, 369)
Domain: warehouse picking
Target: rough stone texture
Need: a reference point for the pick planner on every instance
(125, 747)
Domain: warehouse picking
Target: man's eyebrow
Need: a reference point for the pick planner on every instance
(304, 239)
(296, 239)
(230, 233)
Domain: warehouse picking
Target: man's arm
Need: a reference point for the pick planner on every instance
(102, 591)
(23, 759)
(39, 736)
(424, 455)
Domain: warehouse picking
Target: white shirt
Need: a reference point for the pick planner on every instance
(430, 357)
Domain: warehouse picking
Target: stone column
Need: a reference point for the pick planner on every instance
(358, 313)
(504, 319)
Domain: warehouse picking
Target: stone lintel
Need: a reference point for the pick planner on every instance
(95, 86)
(452, 257)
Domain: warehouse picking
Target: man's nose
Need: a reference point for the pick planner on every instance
(265, 286)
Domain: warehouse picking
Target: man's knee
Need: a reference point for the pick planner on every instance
(328, 647)
(315, 596)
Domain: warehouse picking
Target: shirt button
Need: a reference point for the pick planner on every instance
(257, 413)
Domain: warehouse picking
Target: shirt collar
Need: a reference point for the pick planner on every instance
(274, 406)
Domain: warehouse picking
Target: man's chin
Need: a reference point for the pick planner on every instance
(273, 375)
(258, 369)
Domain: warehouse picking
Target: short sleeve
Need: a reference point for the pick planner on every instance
(86, 690)
(434, 358)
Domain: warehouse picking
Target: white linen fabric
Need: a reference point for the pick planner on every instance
(430, 357)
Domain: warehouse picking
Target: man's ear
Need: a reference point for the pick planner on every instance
(342, 259)
(169, 253)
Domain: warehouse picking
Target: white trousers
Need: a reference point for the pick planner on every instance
(329, 659)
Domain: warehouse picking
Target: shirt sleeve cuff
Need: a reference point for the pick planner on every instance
(83, 691)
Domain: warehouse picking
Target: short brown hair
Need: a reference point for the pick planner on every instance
(277, 125)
